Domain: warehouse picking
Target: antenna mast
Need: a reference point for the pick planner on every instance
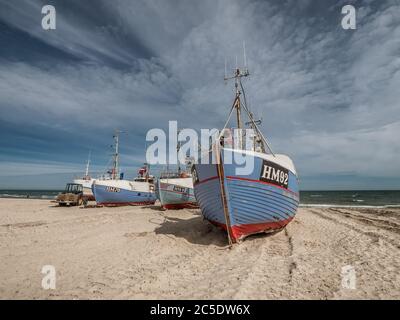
(178, 147)
(116, 155)
(238, 74)
(244, 55)
(87, 164)
(225, 75)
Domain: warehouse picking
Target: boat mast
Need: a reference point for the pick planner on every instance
(239, 73)
(87, 165)
(147, 165)
(238, 110)
(178, 147)
(116, 155)
(237, 104)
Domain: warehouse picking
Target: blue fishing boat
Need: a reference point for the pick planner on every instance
(124, 192)
(115, 191)
(175, 191)
(264, 199)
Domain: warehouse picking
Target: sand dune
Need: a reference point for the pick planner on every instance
(137, 252)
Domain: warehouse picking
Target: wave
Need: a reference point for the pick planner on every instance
(348, 206)
(7, 195)
(47, 197)
(27, 196)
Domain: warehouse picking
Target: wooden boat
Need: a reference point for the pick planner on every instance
(263, 200)
(174, 189)
(115, 191)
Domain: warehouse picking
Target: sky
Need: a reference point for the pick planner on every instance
(328, 97)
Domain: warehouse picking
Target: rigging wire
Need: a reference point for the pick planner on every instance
(227, 121)
(252, 120)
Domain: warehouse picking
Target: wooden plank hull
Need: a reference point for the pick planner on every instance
(255, 202)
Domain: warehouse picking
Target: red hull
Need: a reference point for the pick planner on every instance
(239, 232)
(175, 206)
(121, 204)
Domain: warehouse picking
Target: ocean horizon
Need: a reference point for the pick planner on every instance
(308, 198)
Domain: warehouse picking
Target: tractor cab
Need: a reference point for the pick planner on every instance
(72, 195)
(73, 188)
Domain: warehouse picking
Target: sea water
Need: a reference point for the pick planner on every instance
(29, 194)
(354, 198)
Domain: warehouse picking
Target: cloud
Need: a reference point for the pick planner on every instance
(328, 97)
(31, 168)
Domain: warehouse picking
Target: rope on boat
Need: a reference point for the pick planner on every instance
(227, 121)
(250, 117)
(252, 120)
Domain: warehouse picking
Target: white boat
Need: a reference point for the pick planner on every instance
(124, 192)
(119, 192)
(176, 192)
(174, 189)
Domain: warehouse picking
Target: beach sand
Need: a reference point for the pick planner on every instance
(143, 252)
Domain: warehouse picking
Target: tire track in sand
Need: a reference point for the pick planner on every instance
(270, 275)
(374, 235)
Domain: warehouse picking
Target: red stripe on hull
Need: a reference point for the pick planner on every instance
(120, 204)
(208, 179)
(239, 232)
(263, 182)
(181, 205)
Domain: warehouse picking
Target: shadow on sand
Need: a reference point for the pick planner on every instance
(155, 207)
(195, 230)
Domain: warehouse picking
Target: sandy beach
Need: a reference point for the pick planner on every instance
(144, 253)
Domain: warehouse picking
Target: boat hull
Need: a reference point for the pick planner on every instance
(176, 193)
(253, 203)
(123, 193)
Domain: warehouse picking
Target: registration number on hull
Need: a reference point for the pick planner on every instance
(113, 189)
(180, 189)
(275, 174)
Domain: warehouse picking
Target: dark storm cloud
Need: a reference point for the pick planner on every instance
(328, 97)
